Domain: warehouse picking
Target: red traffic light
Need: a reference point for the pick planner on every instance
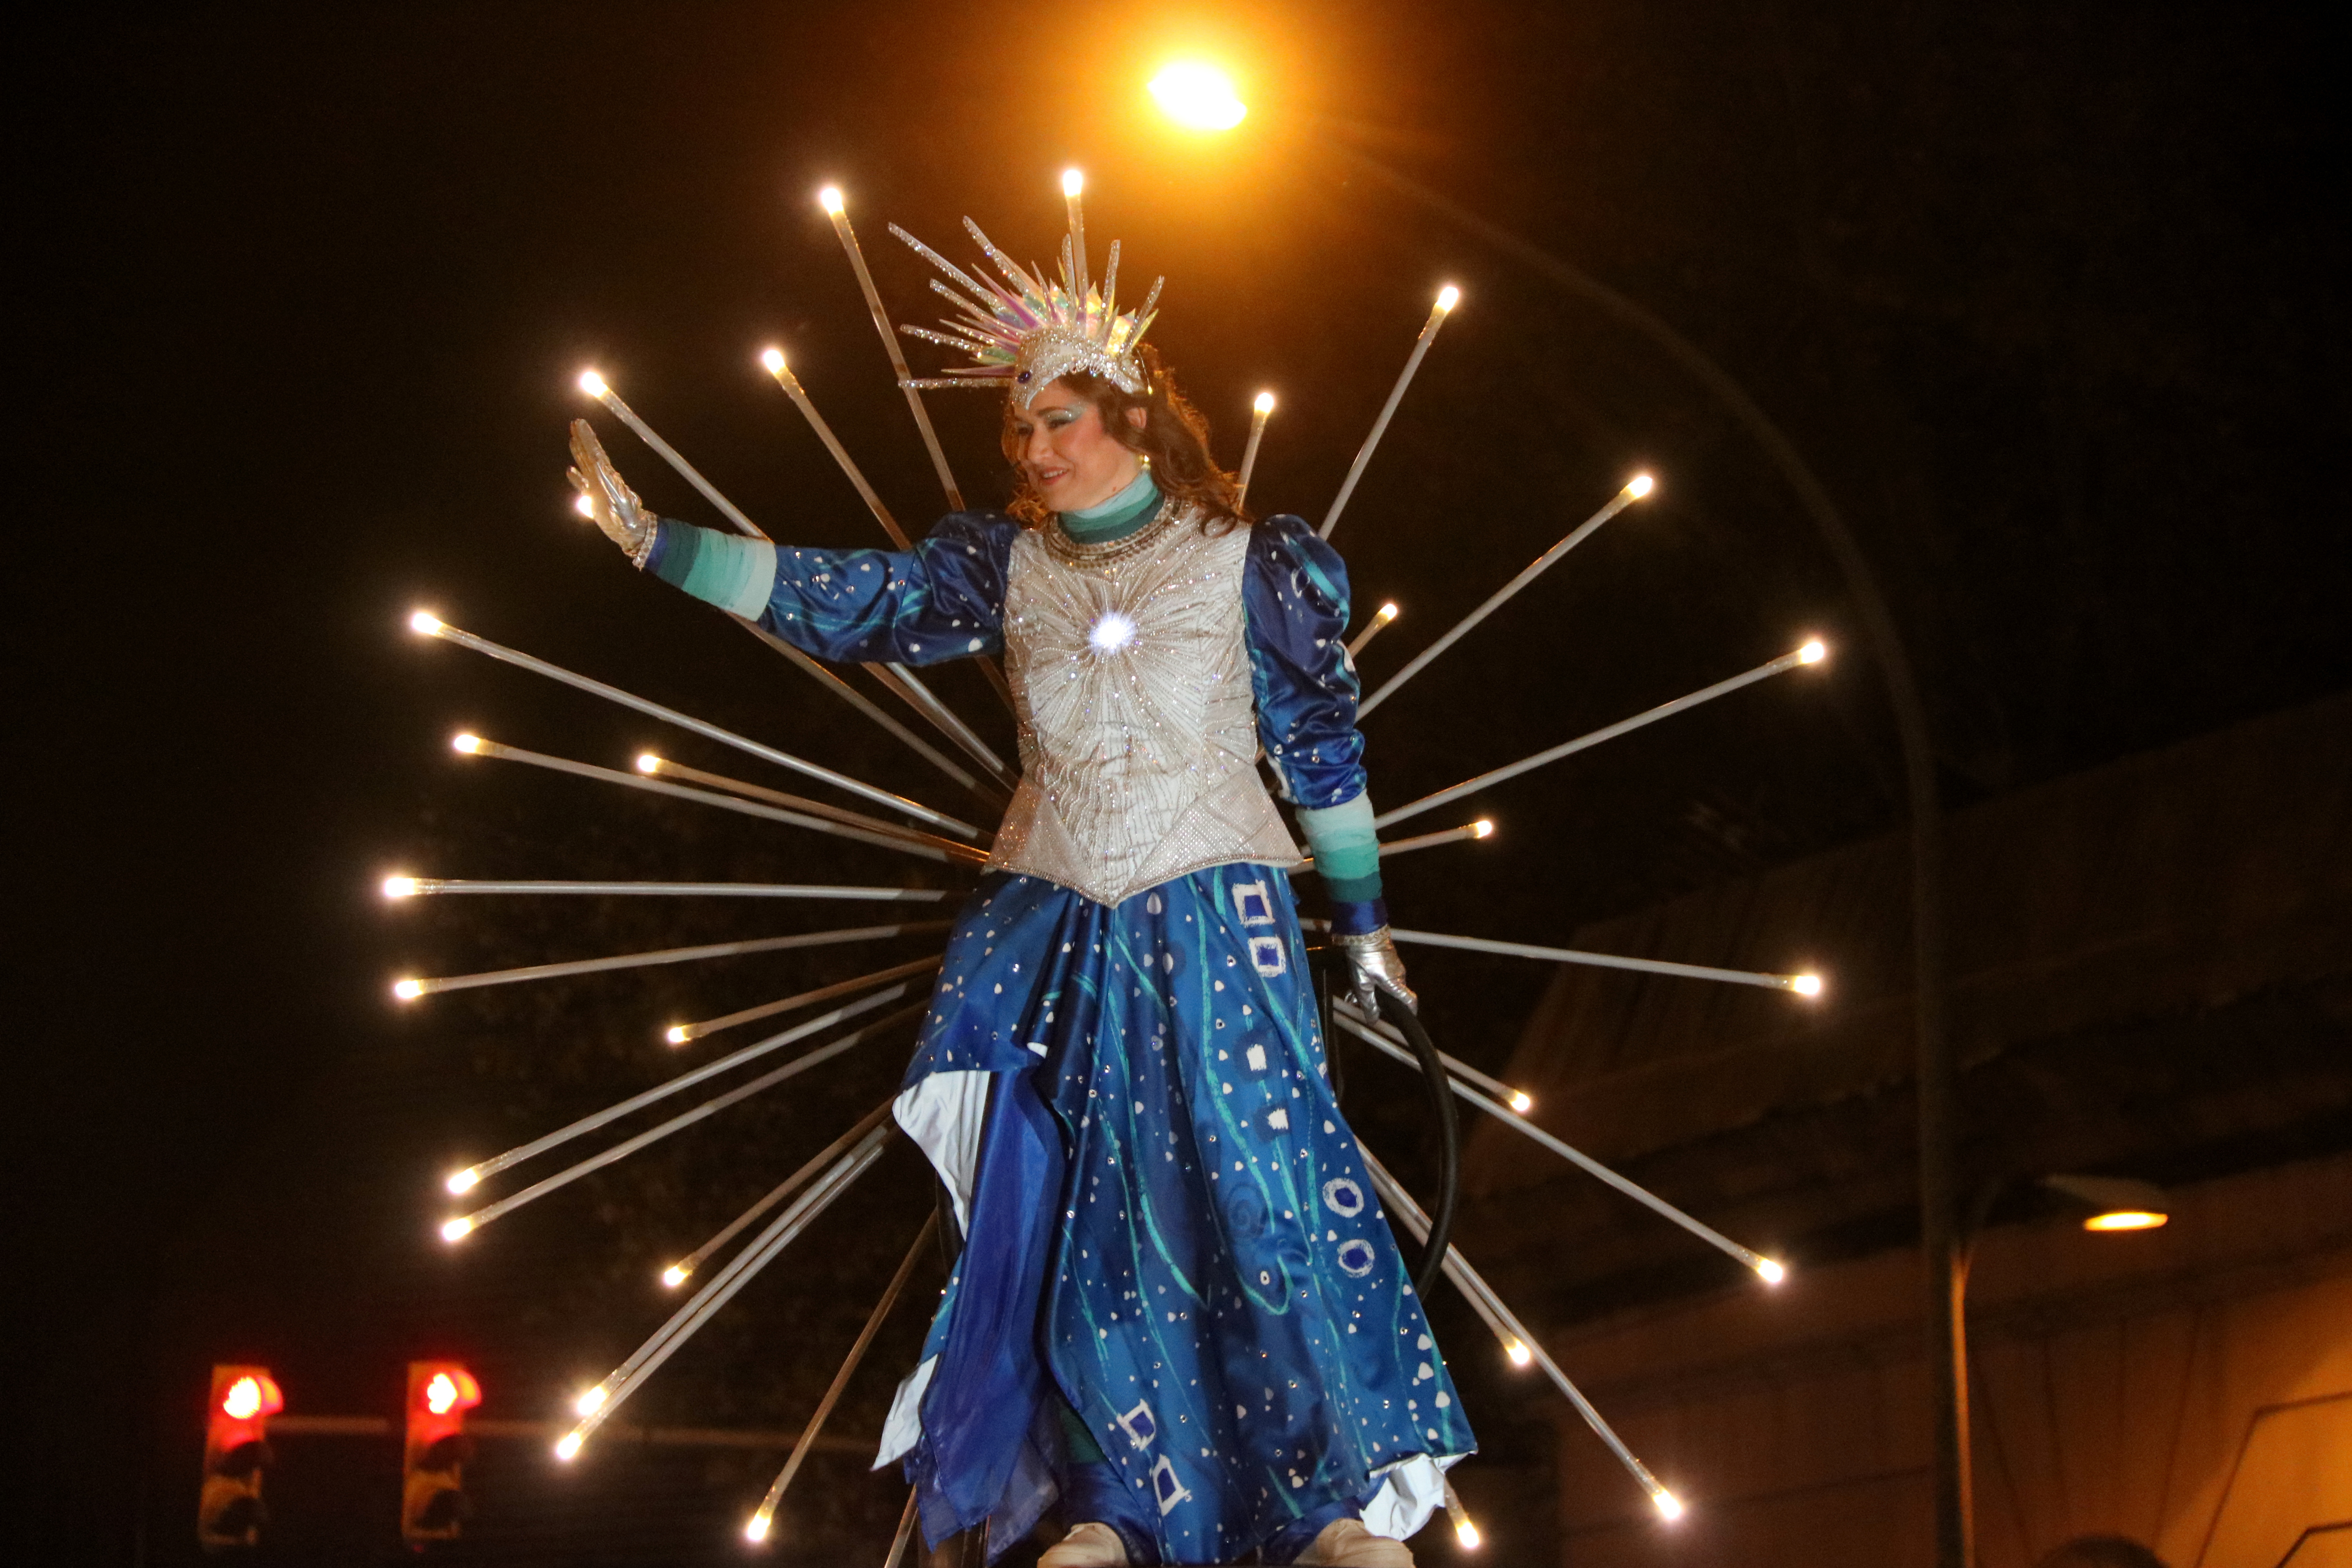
(433, 1502)
(228, 1510)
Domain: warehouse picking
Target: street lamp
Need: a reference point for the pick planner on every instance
(1198, 97)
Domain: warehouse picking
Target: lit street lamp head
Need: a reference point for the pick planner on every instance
(1198, 97)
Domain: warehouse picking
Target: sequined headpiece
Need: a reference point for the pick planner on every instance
(1026, 332)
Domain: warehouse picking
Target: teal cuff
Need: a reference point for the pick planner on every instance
(737, 575)
(1346, 848)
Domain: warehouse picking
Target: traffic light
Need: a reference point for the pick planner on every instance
(228, 1512)
(432, 1504)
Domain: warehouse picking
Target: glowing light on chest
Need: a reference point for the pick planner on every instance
(1111, 633)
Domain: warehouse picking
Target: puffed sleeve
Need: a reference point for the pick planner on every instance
(944, 599)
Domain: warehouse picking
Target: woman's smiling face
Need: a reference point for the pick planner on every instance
(1074, 462)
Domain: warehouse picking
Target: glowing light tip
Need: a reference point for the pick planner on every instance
(1805, 984)
(1522, 1101)
(1468, 1534)
(1642, 485)
(1264, 403)
(1771, 1272)
(408, 990)
(469, 744)
(243, 1401)
(567, 1447)
(400, 887)
(1198, 97)
(649, 763)
(674, 1276)
(1669, 1505)
(678, 1034)
(757, 1529)
(591, 1400)
(593, 385)
(1073, 181)
(1482, 828)
(772, 360)
(1520, 1355)
(457, 1230)
(1448, 296)
(464, 1181)
(2127, 1219)
(1813, 652)
(829, 199)
(425, 623)
(1389, 612)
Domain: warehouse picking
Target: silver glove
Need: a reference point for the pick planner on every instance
(1373, 967)
(611, 502)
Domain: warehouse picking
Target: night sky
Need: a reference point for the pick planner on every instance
(2050, 296)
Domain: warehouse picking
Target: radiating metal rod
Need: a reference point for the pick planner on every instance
(1447, 297)
(1770, 1271)
(683, 1323)
(1506, 1327)
(831, 200)
(866, 705)
(1809, 653)
(1381, 619)
(683, 1034)
(1517, 1100)
(758, 1529)
(1261, 410)
(685, 1268)
(595, 386)
(898, 1542)
(421, 887)
(912, 691)
(1805, 984)
(657, 766)
(1634, 491)
(1482, 828)
(472, 1176)
(906, 844)
(430, 625)
(410, 989)
(774, 361)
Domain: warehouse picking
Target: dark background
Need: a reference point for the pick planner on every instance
(2049, 296)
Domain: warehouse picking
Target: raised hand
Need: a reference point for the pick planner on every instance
(611, 502)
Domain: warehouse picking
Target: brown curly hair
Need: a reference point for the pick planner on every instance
(1173, 442)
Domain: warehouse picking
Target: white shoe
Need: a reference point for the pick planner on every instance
(1346, 1543)
(1090, 1546)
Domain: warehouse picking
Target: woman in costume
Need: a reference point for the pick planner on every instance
(1178, 1317)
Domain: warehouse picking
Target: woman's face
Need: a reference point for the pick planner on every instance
(1067, 453)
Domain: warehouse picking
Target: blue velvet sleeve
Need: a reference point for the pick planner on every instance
(944, 599)
(1296, 595)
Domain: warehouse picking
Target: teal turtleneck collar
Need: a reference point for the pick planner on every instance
(1115, 518)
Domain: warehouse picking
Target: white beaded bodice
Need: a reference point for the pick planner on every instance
(1131, 679)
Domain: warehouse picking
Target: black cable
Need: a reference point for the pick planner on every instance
(1449, 1140)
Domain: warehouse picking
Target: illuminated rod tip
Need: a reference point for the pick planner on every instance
(1640, 485)
(1522, 1101)
(423, 623)
(1482, 828)
(1073, 181)
(400, 887)
(756, 1529)
(1813, 652)
(464, 1181)
(1669, 1505)
(1448, 296)
(567, 1447)
(772, 360)
(678, 1034)
(408, 990)
(1265, 403)
(829, 199)
(1519, 1353)
(457, 1230)
(583, 506)
(1805, 984)
(649, 763)
(1771, 1272)
(1467, 1533)
(674, 1276)
(591, 1400)
(469, 744)
(594, 384)
(2127, 1219)
(1389, 612)
(1198, 97)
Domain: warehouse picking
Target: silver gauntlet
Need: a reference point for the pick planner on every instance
(608, 497)
(1373, 967)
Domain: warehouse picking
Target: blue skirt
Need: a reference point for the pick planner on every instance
(1170, 1234)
